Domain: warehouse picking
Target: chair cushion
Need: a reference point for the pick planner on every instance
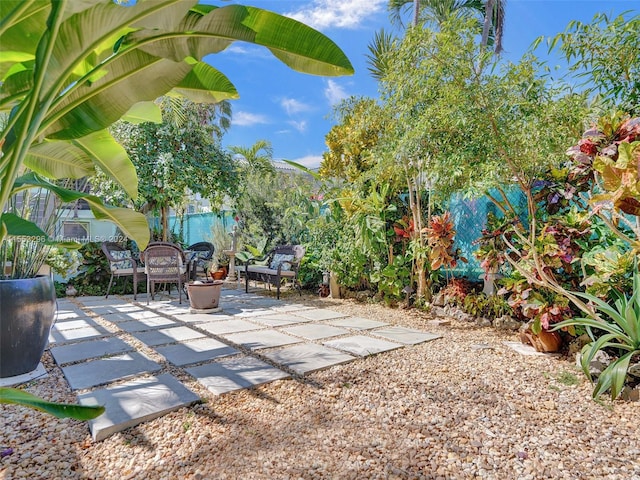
(279, 258)
(165, 265)
(269, 271)
(125, 256)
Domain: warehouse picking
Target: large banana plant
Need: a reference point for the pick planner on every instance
(71, 68)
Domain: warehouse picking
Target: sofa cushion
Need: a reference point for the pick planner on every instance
(281, 258)
(270, 271)
(124, 259)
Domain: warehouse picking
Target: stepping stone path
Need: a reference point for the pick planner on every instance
(116, 352)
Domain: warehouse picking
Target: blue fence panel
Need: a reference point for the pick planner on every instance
(470, 218)
(197, 226)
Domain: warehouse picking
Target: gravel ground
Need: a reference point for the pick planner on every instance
(443, 409)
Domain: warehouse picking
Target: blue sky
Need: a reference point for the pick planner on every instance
(293, 110)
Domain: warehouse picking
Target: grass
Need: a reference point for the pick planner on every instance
(566, 378)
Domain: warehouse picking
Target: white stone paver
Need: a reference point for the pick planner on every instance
(69, 314)
(111, 309)
(315, 331)
(228, 326)
(167, 335)
(77, 334)
(274, 319)
(407, 336)
(72, 323)
(235, 373)
(255, 340)
(75, 352)
(357, 323)
(106, 370)
(195, 351)
(146, 324)
(319, 314)
(361, 345)
(281, 331)
(134, 402)
(308, 357)
(202, 317)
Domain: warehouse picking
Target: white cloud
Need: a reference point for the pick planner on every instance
(244, 51)
(300, 126)
(310, 161)
(247, 119)
(323, 14)
(334, 92)
(293, 106)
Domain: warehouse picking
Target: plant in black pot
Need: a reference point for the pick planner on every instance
(70, 70)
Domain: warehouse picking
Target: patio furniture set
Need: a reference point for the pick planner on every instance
(167, 263)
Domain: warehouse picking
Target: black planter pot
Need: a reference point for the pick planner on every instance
(27, 308)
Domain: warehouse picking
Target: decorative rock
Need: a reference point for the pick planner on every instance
(630, 394)
(600, 361)
(483, 322)
(506, 322)
(439, 409)
(438, 300)
(439, 323)
(576, 345)
(634, 370)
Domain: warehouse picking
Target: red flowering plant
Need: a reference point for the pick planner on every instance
(456, 290)
(440, 238)
(492, 248)
(542, 306)
(404, 229)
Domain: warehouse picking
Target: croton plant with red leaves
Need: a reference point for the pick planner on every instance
(612, 151)
(440, 236)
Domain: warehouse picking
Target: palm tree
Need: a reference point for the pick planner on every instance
(493, 17)
(437, 11)
(258, 156)
(377, 57)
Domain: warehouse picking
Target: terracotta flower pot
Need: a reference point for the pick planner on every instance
(220, 274)
(547, 342)
(205, 296)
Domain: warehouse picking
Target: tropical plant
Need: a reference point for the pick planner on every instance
(437, 12)
(59, 410)
(258, 157)
(481, 305)
(71, 69)
(456, 290)
(221, 240)
(491, 248)
(393, 278)
(621, 327)
(173, 160)
(604, 53)
(440, 234)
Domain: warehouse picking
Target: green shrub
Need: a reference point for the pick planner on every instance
(621, 329)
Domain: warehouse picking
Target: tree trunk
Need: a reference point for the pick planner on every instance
(416, 12)
(164, 220)
(486, 27)
(422, 287)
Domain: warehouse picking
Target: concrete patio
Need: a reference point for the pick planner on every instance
(103, 348)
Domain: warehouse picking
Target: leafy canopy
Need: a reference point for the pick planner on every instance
(70, 69)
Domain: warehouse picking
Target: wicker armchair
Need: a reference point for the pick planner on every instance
(122, 264)
(164, 263)
(202, 254)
